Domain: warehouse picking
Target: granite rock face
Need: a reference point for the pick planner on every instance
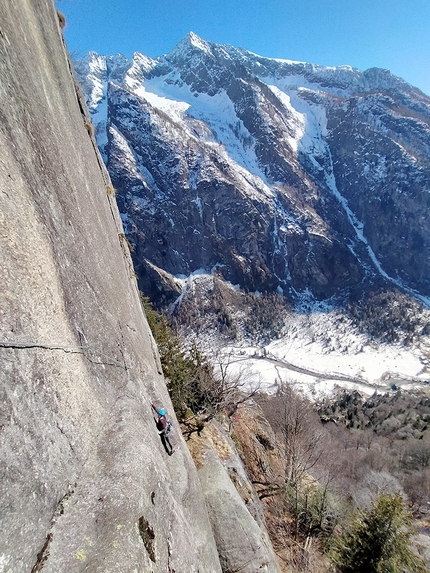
(85, 484)
(235, 511)
(283, 176)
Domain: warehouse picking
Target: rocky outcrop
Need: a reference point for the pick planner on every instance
(235, 511)
(85, 484)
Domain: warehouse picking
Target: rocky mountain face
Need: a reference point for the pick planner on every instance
(85, 484)
(278, 176)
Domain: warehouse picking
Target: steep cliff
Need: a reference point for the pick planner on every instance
(85, 484)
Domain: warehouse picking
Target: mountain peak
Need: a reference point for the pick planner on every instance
(190, 44)
(197, 42)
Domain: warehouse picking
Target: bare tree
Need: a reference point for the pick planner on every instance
(302, 435)
(236, 385)
(215, 387)
(305, 492)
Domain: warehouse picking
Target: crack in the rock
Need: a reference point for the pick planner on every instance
(66, 349)
(43, 554)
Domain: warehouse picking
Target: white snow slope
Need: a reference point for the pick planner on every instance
(319, 351)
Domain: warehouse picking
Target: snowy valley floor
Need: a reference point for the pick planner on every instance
(318, 354)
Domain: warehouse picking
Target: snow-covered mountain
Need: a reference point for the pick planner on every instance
(277, 177)
(284, 176)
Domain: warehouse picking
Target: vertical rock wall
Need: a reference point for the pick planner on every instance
(85, 484)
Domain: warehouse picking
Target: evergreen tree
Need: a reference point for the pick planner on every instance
(190, 378)
(378, 540)
(176, 368)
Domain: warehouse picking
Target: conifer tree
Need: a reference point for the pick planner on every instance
(176, 368)
(193, 385)
(189, 376)
(378, 540)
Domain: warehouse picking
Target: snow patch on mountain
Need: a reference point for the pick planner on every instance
(199, 43)
(132, 163)
(297, 120)
(175, 109)
(98, 78)
(170, 95)
(310, 128)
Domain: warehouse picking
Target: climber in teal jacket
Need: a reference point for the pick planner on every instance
(163, 428)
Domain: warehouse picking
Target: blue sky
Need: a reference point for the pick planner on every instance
(392, 34)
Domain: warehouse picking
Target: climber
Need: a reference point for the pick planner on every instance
(163, 427)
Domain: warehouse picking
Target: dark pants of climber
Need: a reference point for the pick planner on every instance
(165, 441)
